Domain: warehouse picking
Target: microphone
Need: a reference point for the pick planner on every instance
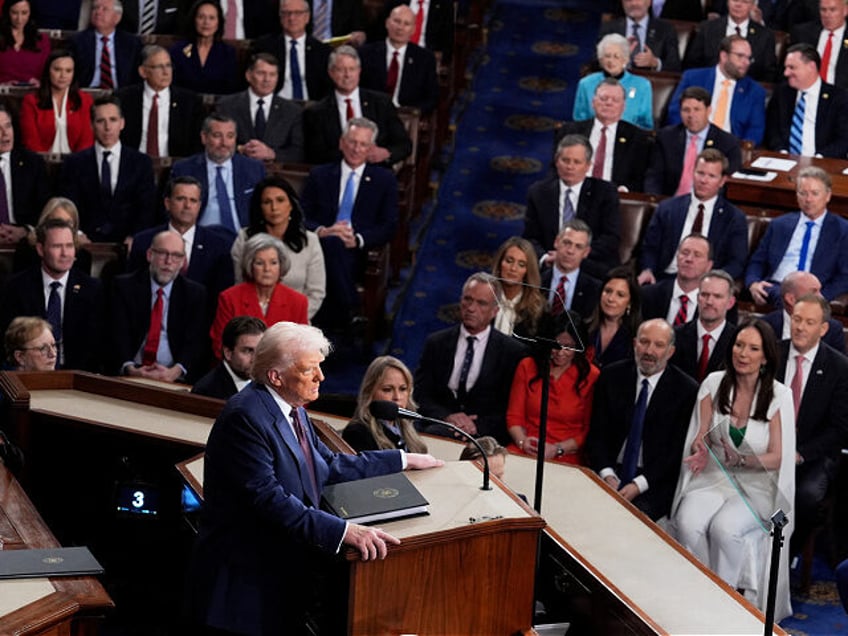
(386, 410)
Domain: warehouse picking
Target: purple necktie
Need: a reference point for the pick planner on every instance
(306, 448)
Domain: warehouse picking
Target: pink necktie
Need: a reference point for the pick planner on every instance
(688, 167)
(797, 383)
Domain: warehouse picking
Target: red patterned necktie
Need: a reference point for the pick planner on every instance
(306, 449)
(600, 155)
(704, 360)
(682, 315)
(392, 75)
(106, 66)
(153, 128)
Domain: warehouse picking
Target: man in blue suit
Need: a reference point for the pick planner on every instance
(705, 211)
(262, 535)
(811, 240)
(363, 218)
(746, 116)
(123, 49)
(226, 178)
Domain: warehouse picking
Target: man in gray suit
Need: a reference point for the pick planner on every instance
(269, 127)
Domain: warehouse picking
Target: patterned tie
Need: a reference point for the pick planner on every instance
(635, 43)
(685, 185)
(630, 460)
(231, 20)
(294, 67)
(704, 360)
(148, 17)
(419, 23)
(567, 208)
(828, 52)
(153, 128)
(53, 315)
(306, 449)
(796, 132)
(154, 332)
(346, 204)
(106, 66)
(106, 175)
(805, 246)
(558, 304)
(223, 196)
(720, 113)
(462, 391)
(698, 223)
(321, 22)
(600, 155)
(797, 384)
(682, 315)
(392, 75)
(5, 217)
(259, 122)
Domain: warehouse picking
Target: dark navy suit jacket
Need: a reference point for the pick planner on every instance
(126, 56)
(29, 193)
(318, 82)
(419, 86)
(703, 49)
(184, 119)
(587, 292)
(216, 384)
(686, 348)
(831, 123)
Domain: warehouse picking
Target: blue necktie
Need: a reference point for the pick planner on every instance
(53, 315)
(346, 206)
(294, 66)
(259, 122)
(462, 389)
(805, 246)
(796, 133)
(106, 175)
(567, 208)
(223, 200)
(634, 437)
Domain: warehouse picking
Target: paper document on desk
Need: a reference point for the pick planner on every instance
(751, 176)
(774, 163)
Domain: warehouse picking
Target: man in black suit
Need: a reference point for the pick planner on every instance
(619, 148)
(26, 172)
(270, 128)
(436, 30)
(312, 55)
(677, 147)
(793, 287)
(176, 350)
(828, 135)
(232, 374)
(568, 285)
(177, 115)
(112, 184)
(164, 20)
(555, 200)
(465, 372)
(653, 41)
(702, 343)
(123, 49)
(703, 50)
(828, 32)
(635, 443)
(400, 68)
(70, 300)
(820, 391)
(323, 121)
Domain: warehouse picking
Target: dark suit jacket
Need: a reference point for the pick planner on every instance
(375, 211)
(661, 39)
(258, 520)
(687, 10)
(598, 206)
(829, 264)
(822, 424)
(488, 397)
(835, 336)
(126, 56)
(130, 304)
(703, 49)
(728, 235)
(666, 165)
(184, 120)
(438, 32)
(283, 128)
(131, 206)
(587, 292)
(831, 124)
(686, 348)
(809, 33)
(747, 110)
(419, 86)
(321, 126)
(247, 173)
(630, 148)
(57, 14)
(666, 423)
(216, 384)
(168, 15)
(82, 313)
(656, 299)
(29, 178)
(318, 82)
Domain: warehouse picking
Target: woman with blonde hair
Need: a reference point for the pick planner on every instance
(521, 304)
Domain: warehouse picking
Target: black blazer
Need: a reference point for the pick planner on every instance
(438, 32)
(216, 384)
(29, 186)
(318, 82)
(686, 348)
(82, 313)
(184, 121)
(488, 398)
(419, 86)
(661, 39)
(809, 33)
(321, 126)
(703, 49)
(666, 164)
(831, 123)
(666, 423)
(168, 16)
(126, 57)
(688, 10)
(598, 206)
(283, 124)
(822, 424)
(835, 336)
(587, 292)
(656, 299)
(631, 146)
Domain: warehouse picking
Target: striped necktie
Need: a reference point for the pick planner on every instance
(796, 133)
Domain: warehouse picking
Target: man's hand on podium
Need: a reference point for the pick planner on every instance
(420, 461)
(371, 542)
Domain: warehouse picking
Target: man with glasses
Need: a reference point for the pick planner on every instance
(157, 318)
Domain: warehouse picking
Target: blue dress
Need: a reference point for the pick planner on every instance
(218, 76)
(638, 109)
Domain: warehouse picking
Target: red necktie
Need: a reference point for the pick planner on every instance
(419, 23)
(682, 315)
(600, 155)
(151, 345)
(230, 22)
(797, 384)
(704, 360)
(828, 51)
(153, 128)
(558, 304)
(106, 66)
(306, 449)
(349, 110)
(392, 75)
(698, 223)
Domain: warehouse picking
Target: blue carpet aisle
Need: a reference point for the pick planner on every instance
(525, 83)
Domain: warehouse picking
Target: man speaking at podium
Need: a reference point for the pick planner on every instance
(264, 544)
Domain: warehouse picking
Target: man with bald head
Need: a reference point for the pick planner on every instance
(640, 413)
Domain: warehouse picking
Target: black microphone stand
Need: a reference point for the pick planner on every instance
(778, 521)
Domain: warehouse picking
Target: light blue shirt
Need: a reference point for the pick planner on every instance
(789, 263)
(163, 353)
(570, 285)
(212, 214)
(98, 52)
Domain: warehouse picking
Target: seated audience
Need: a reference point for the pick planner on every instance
(163, 20)
(23, 49)
(495, 453)
(465, 371)
(654, 41)
(566, 286)
(827, 31)
(202, 61)
(262, 295)
(613, 52)
(614, 319)
(386, 378)
(522, 303)
(26, 255)
(238, 346)
(107, 58)
(434, 28)
(572, 383)
(57, 117)
(747, 419)
(275, 209)
(30, 345)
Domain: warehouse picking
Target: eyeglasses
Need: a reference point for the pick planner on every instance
(45, 349)
(159, 67)
(165, 254)
(289, 14)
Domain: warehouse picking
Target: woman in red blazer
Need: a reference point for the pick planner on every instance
(57, 118)
(262, 295)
